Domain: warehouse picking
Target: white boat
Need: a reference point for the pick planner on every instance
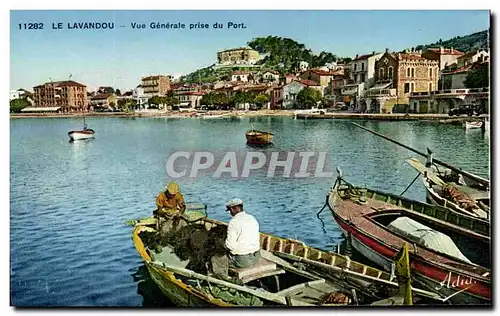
(310, 111)
(473, 125)
(213, 116)
(85, 133)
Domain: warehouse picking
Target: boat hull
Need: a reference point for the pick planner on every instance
(259, 138)
(431, 277)
(437, 273)
(79, 135)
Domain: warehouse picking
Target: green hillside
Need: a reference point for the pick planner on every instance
(465, 44)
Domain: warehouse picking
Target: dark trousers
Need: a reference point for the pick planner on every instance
(221, 263)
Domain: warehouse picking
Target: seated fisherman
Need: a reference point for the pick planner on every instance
(243, 237)
(170, 205)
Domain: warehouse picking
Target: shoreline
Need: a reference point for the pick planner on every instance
(437, 118)
(153, 114)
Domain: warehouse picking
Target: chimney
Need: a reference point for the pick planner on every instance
(441, 49)
(373, 53)
(356, 56)
(451, 49)
(387, 50)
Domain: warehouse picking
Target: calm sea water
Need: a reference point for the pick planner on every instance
(70, 247)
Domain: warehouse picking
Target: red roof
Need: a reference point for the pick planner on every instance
(192, 93)
(446, 51)
(290, 76)
(102, 96)
(308, 82)
(321, 72)
(456, 71)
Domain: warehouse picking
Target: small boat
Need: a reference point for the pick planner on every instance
(454, 191)
(288, 274)
(85, 133)
(213, 116)
(255, 137)
(473, 125)
(450, 252)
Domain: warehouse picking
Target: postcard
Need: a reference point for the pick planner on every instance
(250, 158)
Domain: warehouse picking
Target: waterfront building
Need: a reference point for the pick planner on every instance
(140, 98)
(189, 99)
(104, 101)
(453, 77)
(277, 98)
(333, 93)
(361, 77)
(238, 56)
(445, 56)
(397, 75)
(157, 85)
(69, 95)
(442, 101)
(292, 89)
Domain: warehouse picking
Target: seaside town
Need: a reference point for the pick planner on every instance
(428, 81)
(389, 241)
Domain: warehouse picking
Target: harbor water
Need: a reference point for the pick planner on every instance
(68, 241)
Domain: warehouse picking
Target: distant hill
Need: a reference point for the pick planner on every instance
(465, 44)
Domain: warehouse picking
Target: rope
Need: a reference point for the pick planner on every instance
(418, 175)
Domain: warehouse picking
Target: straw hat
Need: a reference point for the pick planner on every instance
(172, 188)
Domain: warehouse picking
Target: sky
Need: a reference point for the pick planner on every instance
(119, 57)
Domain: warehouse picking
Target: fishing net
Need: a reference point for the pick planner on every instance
(233, 296)
(462, 199)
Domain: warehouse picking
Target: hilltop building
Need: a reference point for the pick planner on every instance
(238, 56)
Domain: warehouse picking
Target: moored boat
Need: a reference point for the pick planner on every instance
(449, 189)
(81, 134)
(473, 125)
(450, 252)
(256, 137)
(85, 133)
(289, 274)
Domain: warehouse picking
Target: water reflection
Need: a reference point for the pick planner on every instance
(152, 296)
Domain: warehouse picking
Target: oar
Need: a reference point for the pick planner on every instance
(444, 164)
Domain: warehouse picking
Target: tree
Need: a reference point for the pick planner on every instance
(260, 99)
(122, 103)
(109, 90)
(112, 104)
(118, 92)
(478, 77)
(17, 105)
(155, 100)
(308, 97)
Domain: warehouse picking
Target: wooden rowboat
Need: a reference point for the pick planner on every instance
(438, 183)
(284, 283)
(255, 137)
(458, 272)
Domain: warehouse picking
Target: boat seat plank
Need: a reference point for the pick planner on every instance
(263, 268)
(294, 290)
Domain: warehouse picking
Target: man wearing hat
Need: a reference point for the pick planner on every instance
(243, 236)
(170, 203)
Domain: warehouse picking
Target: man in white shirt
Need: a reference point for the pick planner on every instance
(243, 236)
